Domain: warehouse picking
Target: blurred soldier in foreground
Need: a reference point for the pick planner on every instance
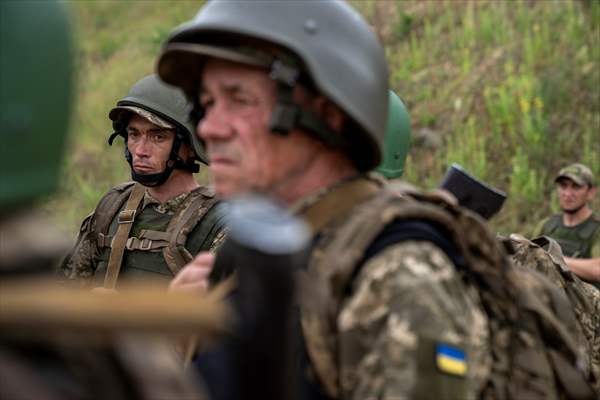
(55, 345)
(148, 230)
(398, 295)
(576, 228)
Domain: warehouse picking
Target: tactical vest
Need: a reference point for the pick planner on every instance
(534, 355)
(158, 245)
(575, 241)
(543, 254)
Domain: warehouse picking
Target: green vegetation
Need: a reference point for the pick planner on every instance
(508, 89)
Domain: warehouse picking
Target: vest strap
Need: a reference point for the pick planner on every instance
(134, 243)
(104, 240)
(196, 207)
(126, 218)
(338, 202)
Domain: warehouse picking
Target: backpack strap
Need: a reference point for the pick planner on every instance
(589, 229)
(125, 219)
(195, 208)
(551, 225)
(106, 210)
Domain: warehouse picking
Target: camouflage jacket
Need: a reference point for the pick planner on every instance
(390, 309)
(544, 255)
(409, 326)
(163, 237)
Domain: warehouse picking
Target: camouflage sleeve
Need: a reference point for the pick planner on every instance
(80, 263)
(412, 329)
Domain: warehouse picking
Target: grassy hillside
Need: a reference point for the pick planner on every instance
(509, 89)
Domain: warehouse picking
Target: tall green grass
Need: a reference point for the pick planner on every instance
(509, 89)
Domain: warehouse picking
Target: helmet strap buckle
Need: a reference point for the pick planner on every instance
(284, 118)
(284, 73)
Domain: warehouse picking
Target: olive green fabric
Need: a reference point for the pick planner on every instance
(36, 89)
(141, 265)
(580, 241)
(88, 259)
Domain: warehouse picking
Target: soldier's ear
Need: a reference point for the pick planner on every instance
(333, 116)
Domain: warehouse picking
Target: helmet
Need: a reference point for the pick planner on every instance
(397, 139)
(165, 106)
(313, 39)
(33, 125)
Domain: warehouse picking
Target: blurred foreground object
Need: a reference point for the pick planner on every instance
(36, 87)
(44, 351)
(265, 247)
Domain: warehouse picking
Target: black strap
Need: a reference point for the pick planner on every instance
(411, 229)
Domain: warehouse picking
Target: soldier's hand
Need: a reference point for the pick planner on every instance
(194, 276)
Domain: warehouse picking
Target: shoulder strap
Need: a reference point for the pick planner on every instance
(196, 207)
(126, 218)
(552, 223)
(107, 209)
(589, 229)
(338, 202)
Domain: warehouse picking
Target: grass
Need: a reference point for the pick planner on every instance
(509, 89)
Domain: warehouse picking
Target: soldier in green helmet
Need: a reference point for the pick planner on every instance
(148, 229)
(577, 227)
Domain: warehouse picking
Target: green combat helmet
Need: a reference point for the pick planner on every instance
(166, 106)
(310, 42)
(33, 125)
(397, 139)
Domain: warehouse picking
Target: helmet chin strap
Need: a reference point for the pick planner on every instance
(288, 115)
(159, 178)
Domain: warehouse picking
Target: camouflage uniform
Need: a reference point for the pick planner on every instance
(582, 240)
(544, 255)
(87, 261)
(404, 301)
(131, 234)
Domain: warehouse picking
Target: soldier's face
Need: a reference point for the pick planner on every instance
(573, 197)
(149, 145)
(245, 156)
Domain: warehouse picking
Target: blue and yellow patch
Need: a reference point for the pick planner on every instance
(451, 360)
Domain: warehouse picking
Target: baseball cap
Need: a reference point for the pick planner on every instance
(578, 173)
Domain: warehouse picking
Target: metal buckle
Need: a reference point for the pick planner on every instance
(142, 244)
(145, 247)
(129, 243)
(126, 216)
(284, 73)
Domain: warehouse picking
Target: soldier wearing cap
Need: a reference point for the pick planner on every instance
(148, 229)
(576, 228)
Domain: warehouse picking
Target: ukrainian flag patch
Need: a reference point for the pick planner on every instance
(451, 360)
